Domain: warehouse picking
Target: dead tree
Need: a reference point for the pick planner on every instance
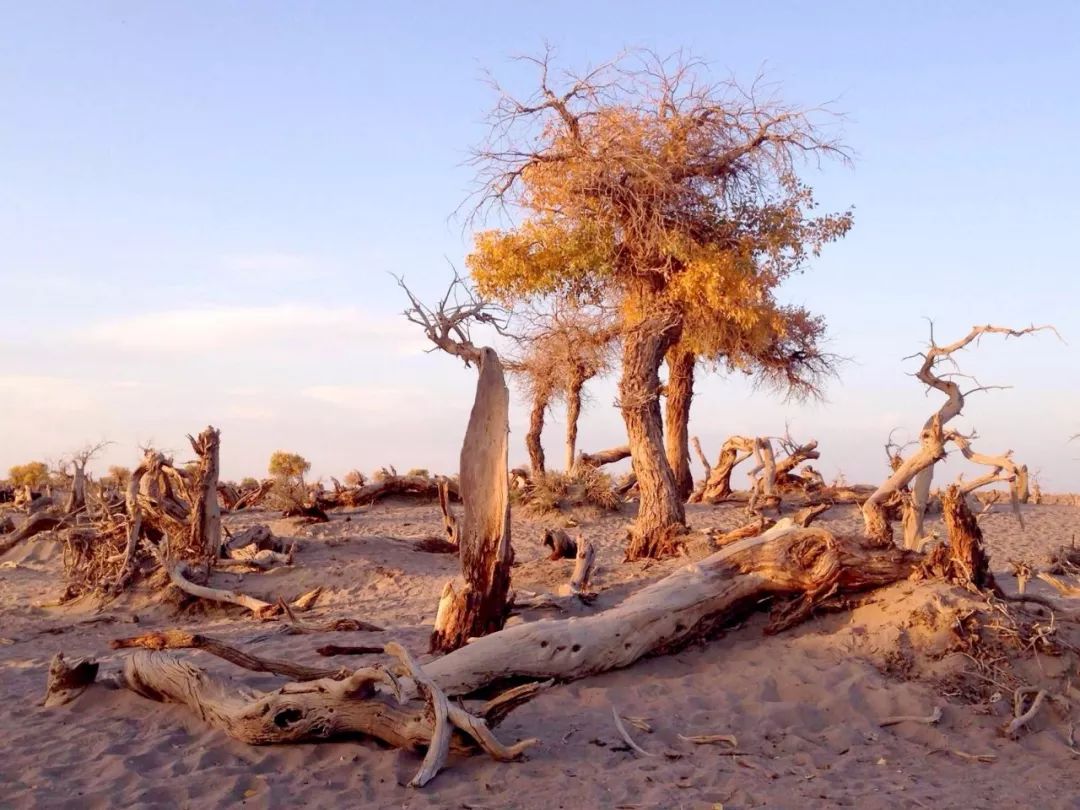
(76, 501)
(205, 522)
(919, 467)
(1002, 469)
(480, 606)
(602, 457)
(717, 486)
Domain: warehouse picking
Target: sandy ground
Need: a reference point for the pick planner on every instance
(805, 705)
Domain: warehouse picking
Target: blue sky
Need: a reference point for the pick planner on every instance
(201, 204)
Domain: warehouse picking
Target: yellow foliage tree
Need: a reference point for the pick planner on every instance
(677, 200)
(33, 474)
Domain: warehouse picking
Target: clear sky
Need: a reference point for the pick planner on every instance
(201, 204)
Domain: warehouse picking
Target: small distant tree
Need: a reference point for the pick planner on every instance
(249, 483)
(288, 471)
(355, 478)
(286, 465)
(563, 349)
(33, 474)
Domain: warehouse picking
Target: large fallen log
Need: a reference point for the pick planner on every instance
(415, 486)
(320, 709)
(785, 561)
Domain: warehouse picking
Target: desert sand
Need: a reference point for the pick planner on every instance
(805, 706)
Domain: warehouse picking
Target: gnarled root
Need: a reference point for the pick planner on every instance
(371, 701)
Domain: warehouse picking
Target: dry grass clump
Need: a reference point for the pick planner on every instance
(554, 492)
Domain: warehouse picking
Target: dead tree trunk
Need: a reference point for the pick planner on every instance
(932, 438)
(205, 527)
(680, 393)
(76, 501)
(486, 555)
(1023, 493)
(963, 560)
(533, 437)
(717, 485)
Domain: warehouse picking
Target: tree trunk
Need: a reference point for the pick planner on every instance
(1023, 493)
(205, 511)
(573, 411)
(661, 514)
(486, 555)
(77, 498)
(963, 560)
(532, 438)
(680, 392)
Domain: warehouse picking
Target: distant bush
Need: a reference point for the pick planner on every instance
(355, 478)
(288, 465)
(249, 483)
(33, 474)
(419, 472)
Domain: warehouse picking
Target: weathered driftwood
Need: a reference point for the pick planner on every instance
(35, 524)
(450, 523)
(369, 701)
(962, 560)
(1002, 468)
(755, 527)
(67, 681)
(253, 497)
(182, 640)
(602, 457)
(717, 486)
(785, 561)
(480, 606)
(416, 486)
(584, 560)
(205, 522)
(561, 544)
(178, 575)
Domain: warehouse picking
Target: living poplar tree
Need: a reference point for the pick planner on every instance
(643, 185)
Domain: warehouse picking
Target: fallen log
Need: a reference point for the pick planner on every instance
(602, 457)
(416, 486)
(370, 701)
(35, 524)
(785, 561)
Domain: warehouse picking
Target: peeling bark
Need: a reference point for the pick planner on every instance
(680, 393)
(661, 516)
(480, 607)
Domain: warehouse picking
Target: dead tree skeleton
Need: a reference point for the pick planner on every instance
(918, 469)
(481, 606)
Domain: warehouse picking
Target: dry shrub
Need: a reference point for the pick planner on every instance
(553, 492)
(418, 472)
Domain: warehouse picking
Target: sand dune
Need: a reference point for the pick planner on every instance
(804, 706)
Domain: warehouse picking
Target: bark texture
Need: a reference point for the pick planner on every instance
(480, 606)
(680, 393)
(533, 438)
(661, 516)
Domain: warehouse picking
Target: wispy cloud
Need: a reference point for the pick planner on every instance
(43, 393)
(374, 399)
(243, 327)
(275, 266)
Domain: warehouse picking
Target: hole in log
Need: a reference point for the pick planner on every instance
(575, 648)
(543, 644)
(286, 717)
